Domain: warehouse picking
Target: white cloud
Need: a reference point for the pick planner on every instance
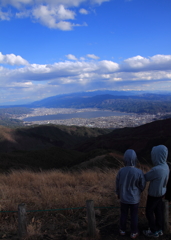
(69, 3)
(5, 15)
(138, 63)
(117, 79)
(54, 17)
(92, 56)
(108, 66)
(99, 1)
(82, 58)
(24, 3)
(65, 13)
(12, 59)
(83, 11)
(151, 75)
(16, 3)
(71, 57)
(55, 14)
(72, 70)
(67, 76)
(161, 59)
(23, 14)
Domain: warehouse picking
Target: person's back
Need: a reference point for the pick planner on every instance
(130, 183)
(158, 177)
(159, 174)
(168, 190)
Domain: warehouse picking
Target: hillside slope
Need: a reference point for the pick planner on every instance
(45, 136)
(141, 139)
(44, 147)
(50, 146)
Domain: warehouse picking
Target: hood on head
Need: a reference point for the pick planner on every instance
(159, 154)
(130, 158)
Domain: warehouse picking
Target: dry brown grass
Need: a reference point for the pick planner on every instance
(55, 190)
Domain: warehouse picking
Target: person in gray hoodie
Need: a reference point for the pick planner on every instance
(158, 177)
(130, 182)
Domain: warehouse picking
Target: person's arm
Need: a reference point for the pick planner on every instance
(117, 185)
(168, 189)
(142, 182)
(149, 176)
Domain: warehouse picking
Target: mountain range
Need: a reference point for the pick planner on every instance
(124, 101)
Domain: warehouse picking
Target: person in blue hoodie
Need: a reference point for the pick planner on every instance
(158, 177)
(130, 182)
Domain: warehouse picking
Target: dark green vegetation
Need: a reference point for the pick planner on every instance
(137, 105)
(51, 146)
(6, 112)
(14, 110)
(8, 122)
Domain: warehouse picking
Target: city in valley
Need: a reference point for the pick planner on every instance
(120, 121)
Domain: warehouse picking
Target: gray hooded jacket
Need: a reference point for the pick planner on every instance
(159, 174)
(130, 181)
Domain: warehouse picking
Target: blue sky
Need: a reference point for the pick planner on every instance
(51, 47)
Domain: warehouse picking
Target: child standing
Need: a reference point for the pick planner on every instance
(158, 177)
(130, 182)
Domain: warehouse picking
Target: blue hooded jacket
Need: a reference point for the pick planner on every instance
(159, 174)
(130, 181)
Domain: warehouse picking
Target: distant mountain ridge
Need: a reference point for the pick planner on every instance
(76, 95)
(96, 98)
(123, 101)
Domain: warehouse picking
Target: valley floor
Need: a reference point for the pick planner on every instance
(117, 121)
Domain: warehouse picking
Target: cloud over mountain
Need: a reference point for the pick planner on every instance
(67, 76)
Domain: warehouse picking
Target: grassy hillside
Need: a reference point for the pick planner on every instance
(62, 190)
(141, 139)
(44, 136)
(56, 200)
(52, 146)
(44, 147)
(82, 164)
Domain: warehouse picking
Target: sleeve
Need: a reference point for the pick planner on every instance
(168, 191)
(142, 182)
(149, 176)
(117, 183)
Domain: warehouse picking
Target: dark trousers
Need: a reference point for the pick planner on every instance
(154, 213)
(134, 216)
